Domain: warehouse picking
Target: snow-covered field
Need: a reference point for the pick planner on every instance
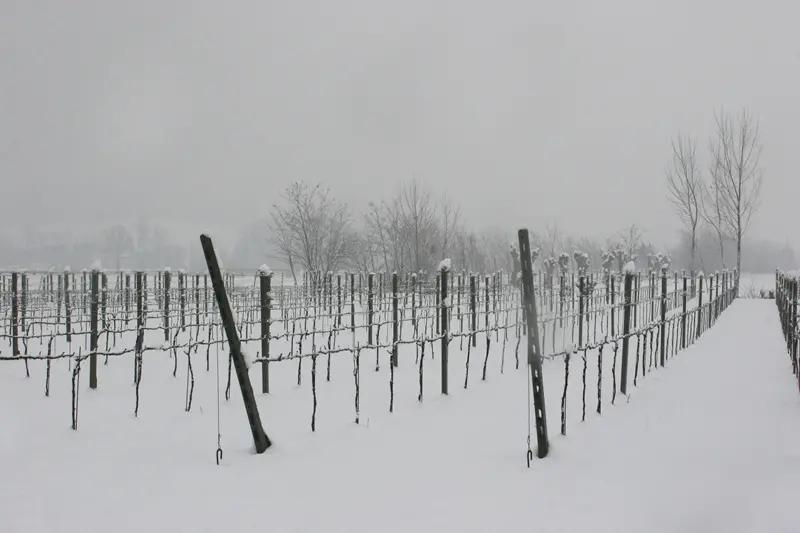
(653, 461)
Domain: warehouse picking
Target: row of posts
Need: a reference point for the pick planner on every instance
(786, 298)
(98, 282)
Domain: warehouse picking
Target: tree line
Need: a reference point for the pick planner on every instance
(722, 193)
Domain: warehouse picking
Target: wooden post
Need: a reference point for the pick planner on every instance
(626, 330)
(534, 353)
(14, 315)
(370, 296)
(104, 298)
(260, 438)
(182, 297)
(395, 323)
(67, 306)
(437, 299)
(338, 300)
(683, 314)
(127, 297)
(473, 309)
(581, 303)
(699, 288)
(265, 278)
(443, 271)
(663, 333)
(352, 303)
(793, 325)
(167, 282)
(95, 281)
(710, 301)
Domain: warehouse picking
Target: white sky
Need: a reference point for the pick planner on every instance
(198, 113)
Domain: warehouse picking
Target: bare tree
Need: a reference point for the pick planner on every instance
(311, 228)
(553, 240)
(712, 207)
(450, 216)
(118, 242)
(631, 243)
(685, 188)
(736, 152)
(418, 210)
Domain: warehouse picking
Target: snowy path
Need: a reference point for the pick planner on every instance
(711, 443)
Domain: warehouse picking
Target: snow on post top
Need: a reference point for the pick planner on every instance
(67, 269)
(264, 270)
(630, 268)
(96, 266)
(167, 270)
(446, 264)
(700, 274)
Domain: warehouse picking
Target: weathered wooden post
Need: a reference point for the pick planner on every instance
(14, 314)
(260, 438)
(182, 297)
(265, 286)
(167, 279)
(581, 304)
(699, 288)
(444, 269)
(473, 309)
(95, 281)
(534, 353)
(395, 320)
(626, 327)
(370, 296)
(683, 313)
(663, 325)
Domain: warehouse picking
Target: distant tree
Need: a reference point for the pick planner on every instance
(118, 242)
(736, 154)
(685, 188)
(310, 228)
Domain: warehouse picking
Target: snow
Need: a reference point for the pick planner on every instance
(248, 358)
(629, 268)
(264, 270)
(96, 266)
(445, 264)
(688, 451)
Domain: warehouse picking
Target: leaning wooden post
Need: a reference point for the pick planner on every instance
(534, 353)
(260, 438)
(444, 268)
(265, 279)
(93, 305)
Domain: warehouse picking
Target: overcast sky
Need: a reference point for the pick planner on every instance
(198, 112)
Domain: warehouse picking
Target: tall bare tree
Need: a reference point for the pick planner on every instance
(450, 216)
(419, 211)
(711, 207)
(736, 152)
(685, 187)
(311, 228)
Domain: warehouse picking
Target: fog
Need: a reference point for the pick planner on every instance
(194, 116)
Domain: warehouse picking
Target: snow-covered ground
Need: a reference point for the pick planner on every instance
(709, 443)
